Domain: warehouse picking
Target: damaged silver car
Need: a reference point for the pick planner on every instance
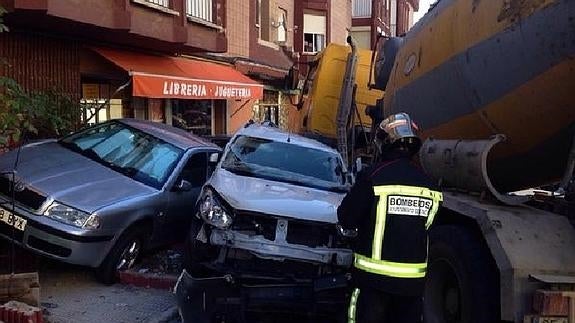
(266, 225)
(102, 196)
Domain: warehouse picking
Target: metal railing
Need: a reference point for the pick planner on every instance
(361, 8)
(200, 9)
(163, 3)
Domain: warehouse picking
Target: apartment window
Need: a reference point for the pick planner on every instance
(163, 3)
(201, 9)
(361, 8)
(314, 30)
(282, 25)
(263, 20)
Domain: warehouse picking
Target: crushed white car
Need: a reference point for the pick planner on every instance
(267, 217)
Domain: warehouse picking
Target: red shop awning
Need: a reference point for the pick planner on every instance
(182, 78)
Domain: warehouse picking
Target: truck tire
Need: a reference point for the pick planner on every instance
(197, 253)
(462, 279)
(123, 255)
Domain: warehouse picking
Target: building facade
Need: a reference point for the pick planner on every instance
(260, 45)
(390, 18)
(207, 66)
(268, 38)
(127, 58)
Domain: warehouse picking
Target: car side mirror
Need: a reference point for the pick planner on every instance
(214, 158)
(183, 186)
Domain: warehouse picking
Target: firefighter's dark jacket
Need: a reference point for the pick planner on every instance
(405, 238)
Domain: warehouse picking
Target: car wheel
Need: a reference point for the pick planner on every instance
(197, 253)
(125, 253)
(462, 283)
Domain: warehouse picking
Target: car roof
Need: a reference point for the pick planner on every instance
(178, 137)
(276, 134)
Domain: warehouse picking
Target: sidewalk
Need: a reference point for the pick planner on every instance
(71, 295)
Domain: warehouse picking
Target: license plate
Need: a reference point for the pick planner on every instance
(12, 219)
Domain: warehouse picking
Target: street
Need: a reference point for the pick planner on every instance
(71, 294)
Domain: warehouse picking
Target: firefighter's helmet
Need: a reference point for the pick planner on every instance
(397, 131)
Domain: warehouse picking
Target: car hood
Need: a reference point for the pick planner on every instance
(71, 178)
(276, 198)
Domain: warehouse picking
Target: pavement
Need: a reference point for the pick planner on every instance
(71, 294)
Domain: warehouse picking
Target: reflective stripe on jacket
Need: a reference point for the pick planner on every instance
(398, 200)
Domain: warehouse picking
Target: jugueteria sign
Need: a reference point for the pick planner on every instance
(157, 86)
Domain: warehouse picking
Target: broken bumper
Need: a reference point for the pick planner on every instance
(200, 300)
(280, 249)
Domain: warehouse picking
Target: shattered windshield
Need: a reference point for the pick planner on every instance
(128, 151)
(282, 161)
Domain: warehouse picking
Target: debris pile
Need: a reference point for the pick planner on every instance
(163, 262)
(18, 312)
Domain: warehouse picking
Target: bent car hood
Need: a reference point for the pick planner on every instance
(276, 198)
(71, 178)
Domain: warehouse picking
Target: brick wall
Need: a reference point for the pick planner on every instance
(243, 39)
(340, 20)
(238, 30)
(57, 67)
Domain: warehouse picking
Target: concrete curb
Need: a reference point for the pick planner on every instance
(166, 316)
(157, 281)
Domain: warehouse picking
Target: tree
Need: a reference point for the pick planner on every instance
(34, 114)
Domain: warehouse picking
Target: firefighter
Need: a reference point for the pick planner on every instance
(390, 208)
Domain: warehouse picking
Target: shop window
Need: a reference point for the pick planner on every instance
(269, 108)
(95, 107)
(194, 116)
(140, 108)
(156, 109)
(314, 33)
(96, 104)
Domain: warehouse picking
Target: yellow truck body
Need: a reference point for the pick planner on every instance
(324, 87)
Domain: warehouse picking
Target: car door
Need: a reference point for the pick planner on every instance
(182, 197)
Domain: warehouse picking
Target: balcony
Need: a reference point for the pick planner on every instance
(183, 26)
(202, 10)
(361, 8)
(162, 3)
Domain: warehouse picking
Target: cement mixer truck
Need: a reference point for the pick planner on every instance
(491, 85)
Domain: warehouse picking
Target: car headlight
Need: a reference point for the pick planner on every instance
(69, 215)
(212, 212)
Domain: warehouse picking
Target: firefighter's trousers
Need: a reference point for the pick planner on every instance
(373, 306)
